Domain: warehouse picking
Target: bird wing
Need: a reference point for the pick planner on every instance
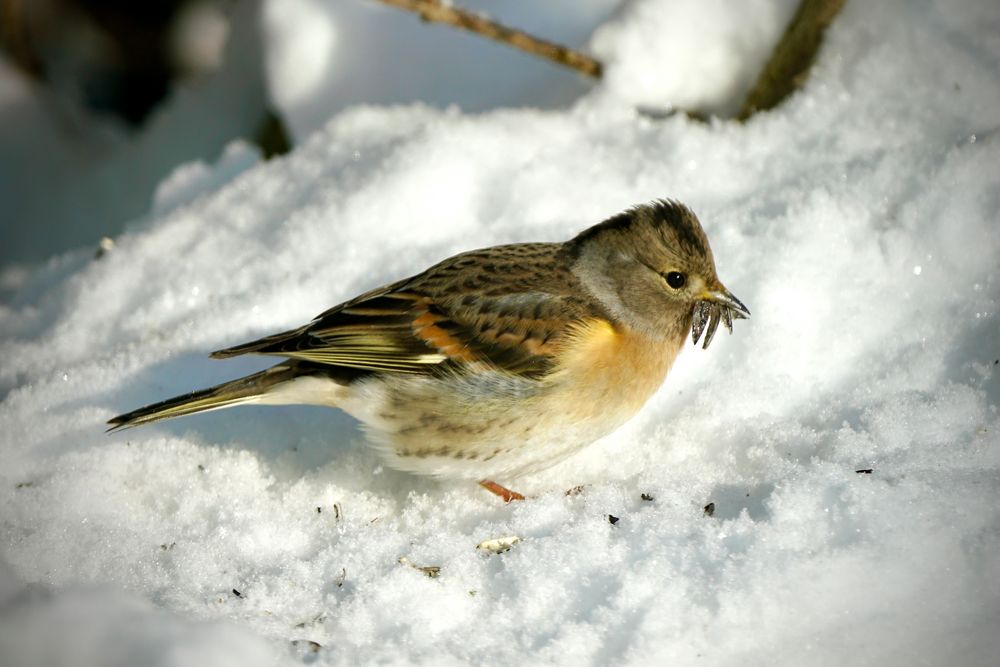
(454, 315)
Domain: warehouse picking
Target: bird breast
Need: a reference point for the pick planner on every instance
(484, 423)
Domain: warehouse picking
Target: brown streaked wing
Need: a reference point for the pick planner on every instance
(507, 307)
(375, 334)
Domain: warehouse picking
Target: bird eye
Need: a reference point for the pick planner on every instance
(675, 279)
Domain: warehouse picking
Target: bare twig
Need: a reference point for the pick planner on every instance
(437, 12)
(789, 65)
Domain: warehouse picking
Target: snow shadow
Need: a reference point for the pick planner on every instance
(308, 437)
(728, 501)
(975, 359)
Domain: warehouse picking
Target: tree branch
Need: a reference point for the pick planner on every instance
(792, 58)
(437, 12)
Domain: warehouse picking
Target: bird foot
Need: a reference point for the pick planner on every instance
(501, 491)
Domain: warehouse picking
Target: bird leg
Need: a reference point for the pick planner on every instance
(501, 491)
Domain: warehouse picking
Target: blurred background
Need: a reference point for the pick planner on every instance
(101, 99)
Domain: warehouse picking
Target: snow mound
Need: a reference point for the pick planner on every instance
(819, 488)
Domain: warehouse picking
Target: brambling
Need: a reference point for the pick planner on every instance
(498, 362)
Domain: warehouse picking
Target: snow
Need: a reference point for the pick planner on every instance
(858, 223)
(68, 176)
(323, 56)
(707, 55)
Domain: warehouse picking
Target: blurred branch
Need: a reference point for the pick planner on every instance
(16, 38)
(437, 12)
(272, 137)
(792, 58)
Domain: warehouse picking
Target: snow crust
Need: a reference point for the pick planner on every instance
(846, 435)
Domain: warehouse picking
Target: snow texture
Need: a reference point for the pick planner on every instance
(693, 55)
(847, 435)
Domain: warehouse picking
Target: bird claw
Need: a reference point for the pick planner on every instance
(501, 491)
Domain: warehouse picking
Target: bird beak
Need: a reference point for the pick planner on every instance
(715, 305)
(725, 298)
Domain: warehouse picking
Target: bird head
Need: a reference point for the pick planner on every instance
(653, 269)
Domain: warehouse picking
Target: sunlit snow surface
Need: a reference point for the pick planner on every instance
(859, 224)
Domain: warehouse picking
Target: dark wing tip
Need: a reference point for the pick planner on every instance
(118, 423)
(246, 348)
(265, 345)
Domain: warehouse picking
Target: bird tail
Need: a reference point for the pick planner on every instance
(250, 389)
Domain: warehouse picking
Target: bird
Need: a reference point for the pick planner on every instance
(498, 362)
